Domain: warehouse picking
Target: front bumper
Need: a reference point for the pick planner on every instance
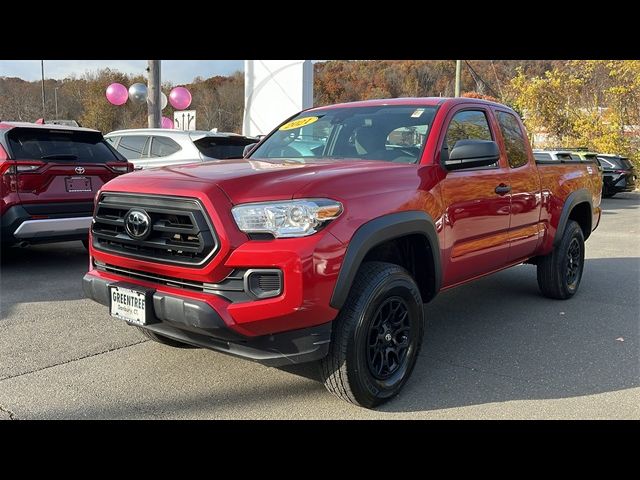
(198, 323)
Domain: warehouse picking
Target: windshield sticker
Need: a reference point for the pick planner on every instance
(300, 122)
(418, 113)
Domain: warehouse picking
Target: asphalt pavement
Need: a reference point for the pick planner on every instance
(493, 349)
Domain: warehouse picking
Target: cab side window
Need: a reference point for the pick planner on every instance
(514, 141)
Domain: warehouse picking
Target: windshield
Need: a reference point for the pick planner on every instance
(387, 133)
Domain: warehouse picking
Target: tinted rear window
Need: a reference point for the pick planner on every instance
(222, 147)
(626, 163)
(60, 146)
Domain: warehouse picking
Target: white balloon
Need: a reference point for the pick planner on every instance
(163, 101)
(138, 93)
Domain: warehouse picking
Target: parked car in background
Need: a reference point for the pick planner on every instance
(618, 174)
(553, 156)
(585, 156)
(160, 147)
(50, 175)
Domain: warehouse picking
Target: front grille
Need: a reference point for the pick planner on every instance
(181, 233)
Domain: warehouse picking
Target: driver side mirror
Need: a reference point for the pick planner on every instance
(248, 149)
(472, 154)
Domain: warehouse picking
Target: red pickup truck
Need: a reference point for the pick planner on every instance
(325, 241)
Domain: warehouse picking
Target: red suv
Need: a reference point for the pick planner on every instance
(50, 175)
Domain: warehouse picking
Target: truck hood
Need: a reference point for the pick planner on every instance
(247, 180)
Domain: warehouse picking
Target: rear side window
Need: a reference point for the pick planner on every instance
(222, 147)
(60, 146)
(626, 163)
(133, 147)
(163, 147)
(575, 157)
(514, 141)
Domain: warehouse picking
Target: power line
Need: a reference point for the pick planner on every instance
(477, 77)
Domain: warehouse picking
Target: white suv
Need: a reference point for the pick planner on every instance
(159, 147)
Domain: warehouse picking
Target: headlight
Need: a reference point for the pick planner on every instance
(291, 218)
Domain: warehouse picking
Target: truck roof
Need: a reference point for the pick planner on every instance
(426, 101)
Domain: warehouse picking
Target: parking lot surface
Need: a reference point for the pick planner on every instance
(493, 349)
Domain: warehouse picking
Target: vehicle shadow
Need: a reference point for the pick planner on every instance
(41, 273)
(622, 201)
(498, 339)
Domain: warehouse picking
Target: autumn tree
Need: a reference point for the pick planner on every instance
(593, 104)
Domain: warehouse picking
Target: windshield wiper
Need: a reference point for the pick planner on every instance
(59, 156)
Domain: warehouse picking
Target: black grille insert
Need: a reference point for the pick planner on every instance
(181, 232)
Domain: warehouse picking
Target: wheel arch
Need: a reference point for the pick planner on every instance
(415, 226)
(578, 206)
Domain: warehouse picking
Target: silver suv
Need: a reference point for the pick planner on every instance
(159, 147)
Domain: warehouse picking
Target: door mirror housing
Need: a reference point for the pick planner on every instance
(472, 154)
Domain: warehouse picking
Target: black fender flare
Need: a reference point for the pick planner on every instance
(575, 198)
(376, 232)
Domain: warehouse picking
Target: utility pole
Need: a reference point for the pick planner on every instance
(153, 94)
(42, 70)
(458, 68)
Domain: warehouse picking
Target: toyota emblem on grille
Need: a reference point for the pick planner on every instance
(79, 170)
(137, 224)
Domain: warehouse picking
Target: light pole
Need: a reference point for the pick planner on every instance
(55, 94)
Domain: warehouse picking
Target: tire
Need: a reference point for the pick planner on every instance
(370, 357)
(85, 244)
(560, 272)
(164, 340)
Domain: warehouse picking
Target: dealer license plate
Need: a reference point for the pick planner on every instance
(128, 305)
(78, 184)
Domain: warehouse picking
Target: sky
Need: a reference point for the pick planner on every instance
(174, 71)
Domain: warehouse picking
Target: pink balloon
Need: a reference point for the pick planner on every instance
(117, 94)
(167, 122)
(180, 98)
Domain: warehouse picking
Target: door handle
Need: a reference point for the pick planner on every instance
(503, 189)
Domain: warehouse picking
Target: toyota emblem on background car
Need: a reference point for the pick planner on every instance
(79, 170)
(137, 223)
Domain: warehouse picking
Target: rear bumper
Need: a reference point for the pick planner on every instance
(619, 183)
(18, 225)
(53, 227)
(198, 323)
